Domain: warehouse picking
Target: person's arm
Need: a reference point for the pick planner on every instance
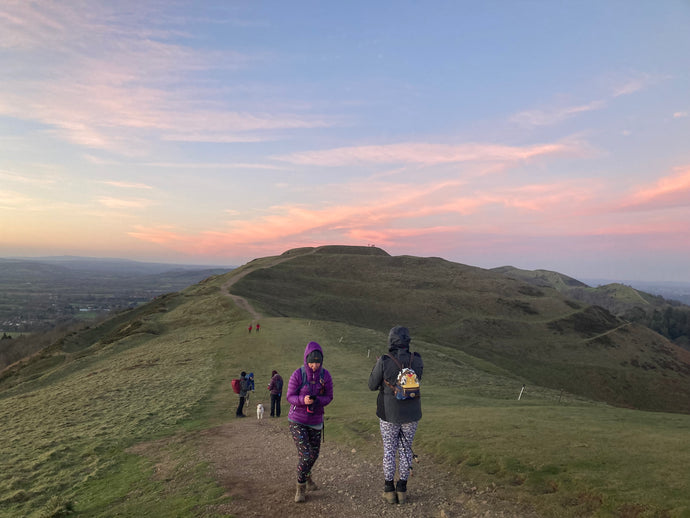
(294, 385)
(376, 376)
(327, 396)
(420, 368)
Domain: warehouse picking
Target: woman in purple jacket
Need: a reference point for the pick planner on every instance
(310, 389)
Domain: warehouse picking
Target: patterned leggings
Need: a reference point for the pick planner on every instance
(397, 441)
(308, 442)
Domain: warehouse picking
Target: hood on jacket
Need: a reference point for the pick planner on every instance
(398, 338)
(311, 347)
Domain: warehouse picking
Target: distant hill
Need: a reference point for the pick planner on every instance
(533, 327)
(111, 265)
(670, 318)
(671, 291)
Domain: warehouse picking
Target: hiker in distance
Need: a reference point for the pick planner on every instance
(244, 389)
(398, 408)
(275, 387)
(310, 389)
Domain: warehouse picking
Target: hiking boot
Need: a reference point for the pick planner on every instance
(401, 491)
(300, 496)
(389, 494)
(311, 485)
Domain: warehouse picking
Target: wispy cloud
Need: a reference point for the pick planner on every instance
(213, 165)
(680, 115)
(559, 113)
(10, 176)
(121, 203)
(104, 78)
(126, 185)
(548, 117)
(635, 84)
(669, 191)
(424, 153)
(386, 214)
(11, 200)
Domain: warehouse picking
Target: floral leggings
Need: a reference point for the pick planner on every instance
(308, 442)
(397, 441)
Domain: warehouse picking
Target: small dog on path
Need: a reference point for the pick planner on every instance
(259, 411)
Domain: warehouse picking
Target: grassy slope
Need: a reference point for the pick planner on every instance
(533, 331)
(71, 418)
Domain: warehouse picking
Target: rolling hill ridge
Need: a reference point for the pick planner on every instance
(536, 331)
(113, 420)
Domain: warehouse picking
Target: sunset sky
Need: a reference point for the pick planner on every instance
(539, 134)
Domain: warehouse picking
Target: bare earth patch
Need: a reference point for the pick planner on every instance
(255, 461)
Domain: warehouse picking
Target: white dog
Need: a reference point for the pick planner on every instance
(259, 411)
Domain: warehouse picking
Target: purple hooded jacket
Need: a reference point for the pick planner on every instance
(323, 391)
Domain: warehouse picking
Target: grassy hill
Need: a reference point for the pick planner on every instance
(669, 318)
(534, 331)
(74, 415)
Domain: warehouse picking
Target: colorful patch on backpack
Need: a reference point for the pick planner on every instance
(407, 384)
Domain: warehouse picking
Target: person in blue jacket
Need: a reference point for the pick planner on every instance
(310, 389)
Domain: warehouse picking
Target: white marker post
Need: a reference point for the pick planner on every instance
(521, 391)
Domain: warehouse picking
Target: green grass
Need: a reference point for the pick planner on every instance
(80, 426)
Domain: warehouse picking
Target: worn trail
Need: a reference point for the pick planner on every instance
(255, 461)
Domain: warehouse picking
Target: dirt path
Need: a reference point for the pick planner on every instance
(255, 461)
(607, 332)
(241, 301)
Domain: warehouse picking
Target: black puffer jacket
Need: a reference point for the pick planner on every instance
(388, 407)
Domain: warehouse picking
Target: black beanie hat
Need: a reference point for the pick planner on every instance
(315, 357)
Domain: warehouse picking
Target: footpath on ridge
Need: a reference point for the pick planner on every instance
(255, 461)
(241, 301)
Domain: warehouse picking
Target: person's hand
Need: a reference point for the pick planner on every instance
(308, 400)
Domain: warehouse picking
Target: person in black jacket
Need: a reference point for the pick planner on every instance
(398, 418)
(275, 387)
(244, 389)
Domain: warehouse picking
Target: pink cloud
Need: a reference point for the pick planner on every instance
(424, 153)
(123, 80)
(127, 185)
(164, 235)
(388, 214)
(669, 191)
